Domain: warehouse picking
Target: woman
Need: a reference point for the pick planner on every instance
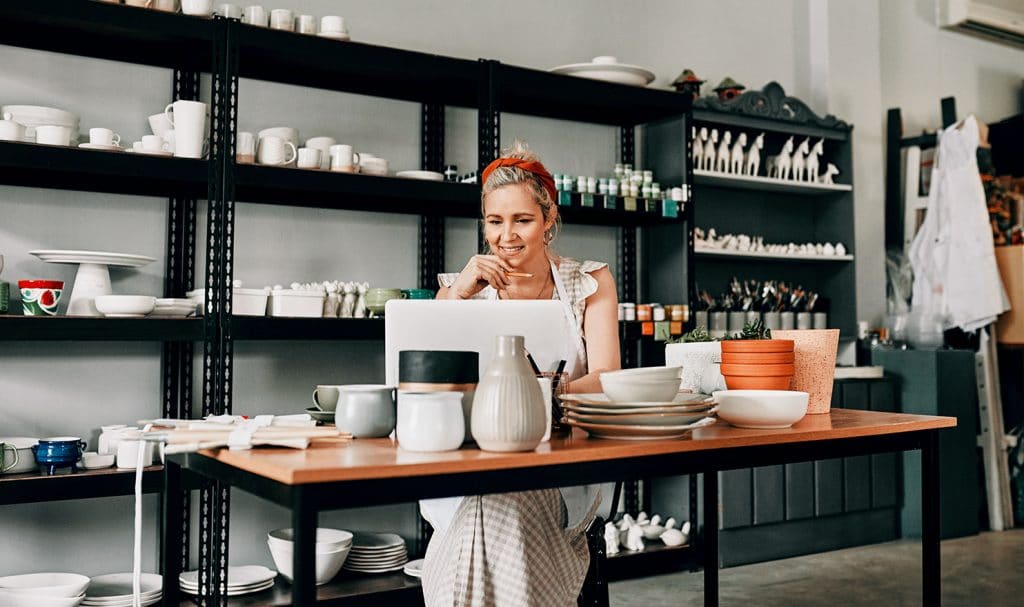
(524, 549)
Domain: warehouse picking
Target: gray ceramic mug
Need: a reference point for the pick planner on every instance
(366, 410)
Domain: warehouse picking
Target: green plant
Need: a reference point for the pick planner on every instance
(699, 334)
(754, 329)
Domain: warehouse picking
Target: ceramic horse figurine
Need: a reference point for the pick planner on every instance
(800, 159)
(722, 161)
(698, 147)
(813, 160)
(754, 156)
(736, 161)
(709, 151)
(783, 161)
(830, 172)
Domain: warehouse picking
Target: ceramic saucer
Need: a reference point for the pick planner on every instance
(334, 35)
(98, 146)
(414, 568)
(320, 416)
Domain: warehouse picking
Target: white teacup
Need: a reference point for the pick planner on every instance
(324, 145)
(332, 24)
(344, 159)
(201, 8)
(374, 166)
(137, 146)
(158, 123)
(102, 136)
(305, 24)
(282, 19)
(255, 15)
(309, 158)
(152, 144)
(272, 150)
(245, 148)
(53, 135)
(231, 11)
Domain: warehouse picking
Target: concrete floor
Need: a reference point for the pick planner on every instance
(986, 570)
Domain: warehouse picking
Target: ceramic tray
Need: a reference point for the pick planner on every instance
(638, 432)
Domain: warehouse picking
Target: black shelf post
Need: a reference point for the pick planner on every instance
(431, 254)
(488, 128)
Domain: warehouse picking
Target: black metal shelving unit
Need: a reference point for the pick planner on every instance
(32, 488)
(80, 328)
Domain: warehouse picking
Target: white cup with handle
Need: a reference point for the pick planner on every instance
(309, 158)
(158, 123)
(273, 150)
(324, 145)
(102, 136)
(245, 148)
(231, 11)
(199, 8)
(53, 135)
(306, 24)
(153, 144)
(343, 159)
(189, 120)
(255, 15)
(282, 19)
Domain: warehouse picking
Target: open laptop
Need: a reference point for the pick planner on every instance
(472, 325)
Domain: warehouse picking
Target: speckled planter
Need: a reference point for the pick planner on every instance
(815, 351)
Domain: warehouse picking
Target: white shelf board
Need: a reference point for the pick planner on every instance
(778, 256)
(768, 184)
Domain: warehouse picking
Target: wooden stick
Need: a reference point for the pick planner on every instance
(519, 274)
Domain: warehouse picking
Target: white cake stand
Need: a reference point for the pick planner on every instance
(93, 276)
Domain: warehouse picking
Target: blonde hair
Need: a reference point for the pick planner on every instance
(504, 176)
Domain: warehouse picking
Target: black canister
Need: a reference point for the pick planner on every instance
(441, 371)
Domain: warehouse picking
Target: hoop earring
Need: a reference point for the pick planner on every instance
(549, 235)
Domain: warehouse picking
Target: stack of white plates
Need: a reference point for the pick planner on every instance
(414, 568)
(174, 306)
(376, 553)
(115, 590)
(241, 580)
(601, 417)
(32, 116)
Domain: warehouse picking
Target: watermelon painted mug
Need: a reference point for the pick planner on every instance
(40, 297)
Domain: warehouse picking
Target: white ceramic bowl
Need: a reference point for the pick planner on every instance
(45, 584)
(646, 373)
(16, 599)
(328, 564)
(327, 540)
(762, 409)
(125, 305)
(92, 460)
(629, 389)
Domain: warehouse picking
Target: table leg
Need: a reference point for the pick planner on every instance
(173, 542)
(931, 569)
(304, 522)
(710, 539)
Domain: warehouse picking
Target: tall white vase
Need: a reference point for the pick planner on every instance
(508, 408)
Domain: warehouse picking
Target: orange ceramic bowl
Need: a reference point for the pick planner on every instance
(757, 345)
(743, 382)
(759, 370)
(758, 358)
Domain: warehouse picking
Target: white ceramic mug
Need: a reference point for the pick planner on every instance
(153, 143)
(284, 132)
(245, 148)
(309, 158)
(343, 158)
(282, 19)
(231, 11)
(158, 123)
(53, 135)
(142, 3)
(255, 15)
(305, 24)
(137, 146)
(374, 166)
(200, 8)
(324, 145)
(171, 6)
(430, 421)
(189, 122)
(332, 24)
(102, 136)
(271, 150)
(11, 130)
(128, 451)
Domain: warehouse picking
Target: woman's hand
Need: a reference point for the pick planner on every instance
(480, 271)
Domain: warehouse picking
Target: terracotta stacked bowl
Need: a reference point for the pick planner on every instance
(758, 364)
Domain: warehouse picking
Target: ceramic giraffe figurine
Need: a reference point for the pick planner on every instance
(722, 160)
(754, 156)
(736, 160)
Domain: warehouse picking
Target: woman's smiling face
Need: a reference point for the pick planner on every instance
(514, 224)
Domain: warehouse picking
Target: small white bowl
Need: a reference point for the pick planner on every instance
(628, 389)
(92, 460)
(761, 409)
(328, 564)
(45, 584)
(125, 306)
(327, 540)
(645, 373)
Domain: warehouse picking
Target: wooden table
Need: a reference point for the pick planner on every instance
(376, 471)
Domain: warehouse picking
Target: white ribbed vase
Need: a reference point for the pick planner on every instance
(508, 408)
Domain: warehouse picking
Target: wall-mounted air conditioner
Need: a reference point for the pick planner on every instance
(1002, 20)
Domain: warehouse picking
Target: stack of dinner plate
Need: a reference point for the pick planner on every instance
(32, 116)
(241, 580)
(377, 553)
(115, 590)
(602, 417)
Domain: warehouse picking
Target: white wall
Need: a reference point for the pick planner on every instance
(875, 55)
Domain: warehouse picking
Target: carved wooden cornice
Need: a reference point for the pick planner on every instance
(771, 103)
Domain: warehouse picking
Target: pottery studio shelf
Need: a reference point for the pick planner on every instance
(69, 168)
(346, 589)
(106, 482)
(768, 184)
(655, 559)
(729, 254)
(82, 328)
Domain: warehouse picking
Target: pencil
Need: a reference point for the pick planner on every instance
(519, 274)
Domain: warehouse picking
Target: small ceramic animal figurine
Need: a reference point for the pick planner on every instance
(641, 519)
(654, 530)
(360, 310)
(635, 538)
(333, 300)
(813, 160)
(722, 161)
(800, 159)
(709, 151)
(626, 522)
(830, 171)
(754, 156)
(670, 523)
(611, 539)
(840, 249)
(348, 300)
(698, 147)
(784, 161)
(673, 537)
(736, 161)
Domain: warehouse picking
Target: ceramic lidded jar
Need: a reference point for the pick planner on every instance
(441, 371)
(508, 409)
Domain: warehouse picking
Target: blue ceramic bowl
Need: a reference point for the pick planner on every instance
(59, 452)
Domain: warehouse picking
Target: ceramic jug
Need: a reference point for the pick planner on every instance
(508, 408)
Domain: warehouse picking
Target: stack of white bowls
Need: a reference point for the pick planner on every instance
(646, 384)
(332, 548)
(31, 116)
(43, 590)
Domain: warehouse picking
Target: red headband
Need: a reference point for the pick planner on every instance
(530, 167)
